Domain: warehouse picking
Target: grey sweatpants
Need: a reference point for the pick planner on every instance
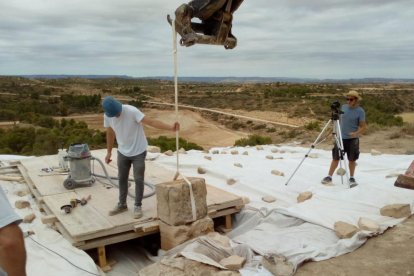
(124, 165)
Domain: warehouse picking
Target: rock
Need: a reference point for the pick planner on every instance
(313, 155)
(304, 196)
(274, 150)
(182, 151)
(344, 230)
(278, 265)
(23, 192)
(234, 152)
(207, 157)
(233, 262)
(29, 218)
(269, 199)
(270, 157)
(245, 153)
(340, 171)
(375, 152)
(396, 210)
(20, 204)
(282, 151)
(174, 201)
(171, 236)
(259, 147)
(367, 224)
(278, 173)
(231, 181)
(221, 239)
(238, 165)
(206, 151)
(223, 152)
(169, 153)
(215, 152)
(201, 170)
(153, 149)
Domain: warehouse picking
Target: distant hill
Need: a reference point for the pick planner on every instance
(231, 79)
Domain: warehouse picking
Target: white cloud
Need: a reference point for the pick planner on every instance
(320, 38)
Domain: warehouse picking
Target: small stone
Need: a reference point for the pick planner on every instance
(278, 265)
(274, 150)
(396, 210)
(238, 165)
(278, 173)
(269, 199)
(231, 181)
(223, 152)
(313, 155)
(215, 152)
(201, 170)
(29, 218)
(259, 147)
(245, 153)
(207, 157)
(270, 157)
(304, 196)
(233, 262)
(375, 152)
(182, 151)
(282, 151)
(367, 224)
(206, 151)
(340, 171)
(20, 204)
(153, 149)
(234, 152)
(344, 230)
(169, 153)
(23, 192)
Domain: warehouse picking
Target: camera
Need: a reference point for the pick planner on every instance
(335, 106)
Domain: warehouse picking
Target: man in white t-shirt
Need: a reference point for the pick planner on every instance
(125, 123)
(12, 249)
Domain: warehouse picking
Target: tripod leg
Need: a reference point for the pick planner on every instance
(310, 149)
(340, 146)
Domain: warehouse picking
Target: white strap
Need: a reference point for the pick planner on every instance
(193, 208)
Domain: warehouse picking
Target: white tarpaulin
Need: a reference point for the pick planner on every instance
(299, 231)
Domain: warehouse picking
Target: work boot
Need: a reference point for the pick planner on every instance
(137, 212)
(119, 208)
(327, 180)
(352, 182)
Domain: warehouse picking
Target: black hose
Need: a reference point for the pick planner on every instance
(151, 186)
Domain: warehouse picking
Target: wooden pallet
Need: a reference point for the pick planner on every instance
(89, 226)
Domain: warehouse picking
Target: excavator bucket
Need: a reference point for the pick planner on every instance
(216, 18)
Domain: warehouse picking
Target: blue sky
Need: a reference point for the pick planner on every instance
(281, 38)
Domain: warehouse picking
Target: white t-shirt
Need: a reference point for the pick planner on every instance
(128, 130)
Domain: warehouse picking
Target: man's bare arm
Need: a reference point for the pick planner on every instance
(110, 140)
(12, 250)
(160, 125)
(361, 129)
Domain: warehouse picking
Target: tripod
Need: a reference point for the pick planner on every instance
(336, 132)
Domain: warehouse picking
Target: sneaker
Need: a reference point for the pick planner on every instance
(352, 182)
(137, 212)
(118, 209)
(327, 180)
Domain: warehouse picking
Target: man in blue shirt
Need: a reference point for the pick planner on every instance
(352, 126)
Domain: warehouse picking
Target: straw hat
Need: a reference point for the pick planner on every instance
(354, 94)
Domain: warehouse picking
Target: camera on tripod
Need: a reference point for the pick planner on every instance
(336, 110)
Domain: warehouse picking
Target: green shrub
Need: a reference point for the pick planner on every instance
(165, 143)
(253, 140)
(313, 126)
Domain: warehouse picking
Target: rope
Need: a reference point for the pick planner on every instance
(193, 209)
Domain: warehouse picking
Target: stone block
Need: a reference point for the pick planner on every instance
(20, 204)
(345, 230)
(304, 196)
(171, 236)
(278, 265)
(29, 218)
(269, 199)
(404, 181)
(233, 262)
(396, 210)
(174, 202)
(367, 224)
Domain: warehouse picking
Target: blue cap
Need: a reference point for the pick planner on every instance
(111, 107)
